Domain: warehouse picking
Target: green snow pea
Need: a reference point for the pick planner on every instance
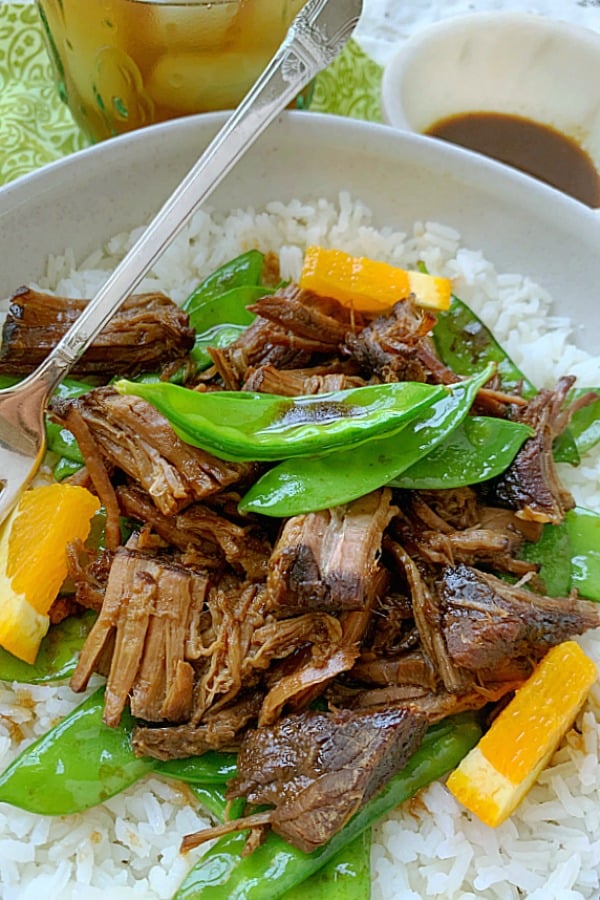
(276, 867)
(480, 448)
(585, 424)
(217, 336)
(346, 877)
(248, 426)
(583, 527)
(304, 485)
(210, 768)
(569, 555)
(57, 656)
(77, 764)
(465, 344)
(82, 762)
(65, 468)
(228, 308)
(243, 270)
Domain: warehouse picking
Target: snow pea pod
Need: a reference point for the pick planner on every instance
(346, 877)
(210, 768)
(228, 308)
(81, 762)
(248, 426)
(569, 555)
(77, 764)
(275, 867)
(57, 656)
(304, 485)
(465, 344)
(583, 526)
(217, 336)
(480, 448)
(65, 467)
(243, 270)
(585, 424)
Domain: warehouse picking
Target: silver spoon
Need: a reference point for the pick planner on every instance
(315, 37)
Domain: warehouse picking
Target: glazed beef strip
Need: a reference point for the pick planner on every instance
(317, 769)
(397, 347)
(486, 621)
(146, 333)
(297, 382)
(218, 731)
(207, 535)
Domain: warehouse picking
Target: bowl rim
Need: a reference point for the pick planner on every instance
(406, 52)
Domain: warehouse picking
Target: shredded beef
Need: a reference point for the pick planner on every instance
(133, 436)
(145, 334)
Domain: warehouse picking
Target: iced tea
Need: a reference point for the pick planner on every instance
(123, 64)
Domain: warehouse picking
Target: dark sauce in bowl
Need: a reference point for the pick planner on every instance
(533, 148)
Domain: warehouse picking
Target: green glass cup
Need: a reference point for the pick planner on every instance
(124, 64)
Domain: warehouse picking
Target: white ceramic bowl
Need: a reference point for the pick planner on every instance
(506, 62)
(520, 224)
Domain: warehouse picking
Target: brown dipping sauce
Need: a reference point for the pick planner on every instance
(526, 145)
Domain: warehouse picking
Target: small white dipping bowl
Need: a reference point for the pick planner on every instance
(513, 63)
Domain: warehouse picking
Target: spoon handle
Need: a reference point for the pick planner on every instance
(314, 39)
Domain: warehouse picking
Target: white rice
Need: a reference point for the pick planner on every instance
(128, 847)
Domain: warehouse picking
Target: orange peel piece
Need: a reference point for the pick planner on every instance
(495, 775)
(33, 560)
(368, 285)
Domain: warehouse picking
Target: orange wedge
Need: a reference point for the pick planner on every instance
(368, 285)
(33, 560)
(495, 776)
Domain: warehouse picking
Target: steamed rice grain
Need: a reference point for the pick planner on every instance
(431, 847)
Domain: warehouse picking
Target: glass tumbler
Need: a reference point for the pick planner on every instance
(124, 64)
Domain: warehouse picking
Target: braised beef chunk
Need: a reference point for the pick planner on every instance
(325, 560)
(218, 731)
(209, 538)
(133, 436)
(261, 344)
(144, 627)
(531, 485)
(398, 346)
(297, 382)
(318, 769)
(300, 312)
(485, 620)
(148, 332)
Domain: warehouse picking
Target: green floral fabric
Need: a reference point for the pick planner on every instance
(37, 128)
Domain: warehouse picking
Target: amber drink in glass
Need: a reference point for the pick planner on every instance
(124, 64)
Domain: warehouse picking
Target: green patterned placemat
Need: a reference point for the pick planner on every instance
(36, 127)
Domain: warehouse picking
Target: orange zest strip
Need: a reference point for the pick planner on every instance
(367, 285)
(495, 776)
